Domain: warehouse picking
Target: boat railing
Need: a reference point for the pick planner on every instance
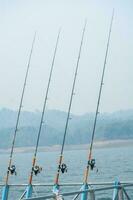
(96, 190)
(119, 192)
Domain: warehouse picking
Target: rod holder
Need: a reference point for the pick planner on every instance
(5, 192)
(118, 191)
(29, 191)
(56, 189)
(84, 196)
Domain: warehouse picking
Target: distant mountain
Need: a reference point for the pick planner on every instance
(110, 126)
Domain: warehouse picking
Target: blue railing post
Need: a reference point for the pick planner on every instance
(29, 191)
(5, 192)
(56, 189)
(84, 196)
(116, 190)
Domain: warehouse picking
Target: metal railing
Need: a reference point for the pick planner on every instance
(119, 192)
(96, 190)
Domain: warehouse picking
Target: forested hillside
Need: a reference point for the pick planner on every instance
(118, 125)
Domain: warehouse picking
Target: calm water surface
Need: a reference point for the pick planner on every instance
(112, 164)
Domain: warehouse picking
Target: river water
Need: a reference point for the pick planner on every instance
(112, 164)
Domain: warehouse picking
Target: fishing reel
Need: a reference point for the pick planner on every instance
(63, 168)
(92, 164)
(36, 169)
(12, 170)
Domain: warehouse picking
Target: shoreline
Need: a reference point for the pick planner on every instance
(97, 145)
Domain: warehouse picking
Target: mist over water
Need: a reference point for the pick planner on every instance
(112, 163)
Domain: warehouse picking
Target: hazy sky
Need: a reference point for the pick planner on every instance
(19, 20)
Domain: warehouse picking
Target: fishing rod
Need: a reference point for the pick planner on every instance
(19, 111)
(91, 162)
(35, 168)
(62, 166)
(12, 168)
